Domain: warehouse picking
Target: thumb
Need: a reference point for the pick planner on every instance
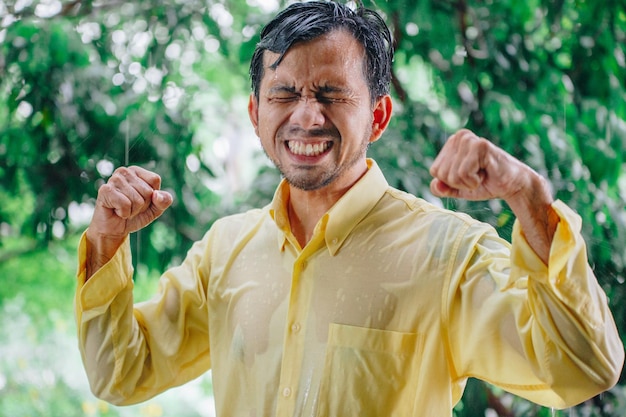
(161, 200)
(441, 189)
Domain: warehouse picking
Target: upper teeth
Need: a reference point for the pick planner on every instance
(308, 149)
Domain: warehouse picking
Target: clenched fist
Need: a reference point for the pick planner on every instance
(472, 168)
(129, 201)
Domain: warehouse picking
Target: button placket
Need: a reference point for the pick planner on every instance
(299, 301)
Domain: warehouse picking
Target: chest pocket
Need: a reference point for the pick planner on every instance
(369, 373)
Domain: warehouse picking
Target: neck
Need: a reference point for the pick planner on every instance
(306, 208)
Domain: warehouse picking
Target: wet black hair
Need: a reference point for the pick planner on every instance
(301, 22)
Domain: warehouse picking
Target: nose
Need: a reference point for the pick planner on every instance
(308, 113)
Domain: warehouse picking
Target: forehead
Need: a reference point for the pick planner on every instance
(335, 56)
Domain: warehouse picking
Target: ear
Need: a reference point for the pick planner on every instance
(253, 112)
(382, 116)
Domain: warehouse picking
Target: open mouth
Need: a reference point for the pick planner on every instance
(308, 149)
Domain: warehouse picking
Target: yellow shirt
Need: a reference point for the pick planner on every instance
(387, 311)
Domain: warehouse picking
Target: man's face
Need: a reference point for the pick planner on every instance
(314, 114)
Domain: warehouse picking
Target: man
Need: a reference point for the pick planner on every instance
(344, 296)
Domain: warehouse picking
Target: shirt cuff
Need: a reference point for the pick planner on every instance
(111, 279)
(566, 242)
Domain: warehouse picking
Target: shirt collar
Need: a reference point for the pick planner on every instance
(278, 212)
(341, 219)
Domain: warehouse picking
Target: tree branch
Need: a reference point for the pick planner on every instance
(397, 37)
(68, 7)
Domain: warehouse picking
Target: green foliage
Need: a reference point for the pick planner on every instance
(90, 87)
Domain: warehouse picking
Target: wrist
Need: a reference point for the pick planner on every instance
(532, 206)
(533, 194)
(100, 249)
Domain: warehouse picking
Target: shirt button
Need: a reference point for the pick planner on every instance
(335, 240)
(286, 392)
(295, 327)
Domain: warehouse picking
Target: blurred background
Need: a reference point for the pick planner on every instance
(88, 86)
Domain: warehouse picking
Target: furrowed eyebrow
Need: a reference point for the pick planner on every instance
(325, 89)
(282, 89)
(331, 89)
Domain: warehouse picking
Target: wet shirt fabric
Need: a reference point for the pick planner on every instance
(387, 311)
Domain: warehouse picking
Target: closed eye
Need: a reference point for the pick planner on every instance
(330, 99)
(332, 95)
(325, 95)
(284, 98)
(283, 94)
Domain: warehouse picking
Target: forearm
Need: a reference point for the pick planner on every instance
(532, 206)
(104, 315)
(134, 351)
(546, 332)
(113, 376)
(569, 306)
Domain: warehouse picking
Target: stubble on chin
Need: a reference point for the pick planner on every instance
(304, 178)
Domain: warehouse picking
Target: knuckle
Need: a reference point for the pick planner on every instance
(105, 189)
(137, 201)
(464, 134)
(122, 171)
(116, 182)
(453, 177)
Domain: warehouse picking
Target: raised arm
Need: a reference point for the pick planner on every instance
(541, 331)
(133, 351)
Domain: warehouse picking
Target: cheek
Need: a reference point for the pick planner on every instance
(269, 117)
(268, 135)
(262, 127)
(359, 126)
(267, 131)
(274, 122)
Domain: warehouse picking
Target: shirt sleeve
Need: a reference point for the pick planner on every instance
(543, 332)
(134, 352)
